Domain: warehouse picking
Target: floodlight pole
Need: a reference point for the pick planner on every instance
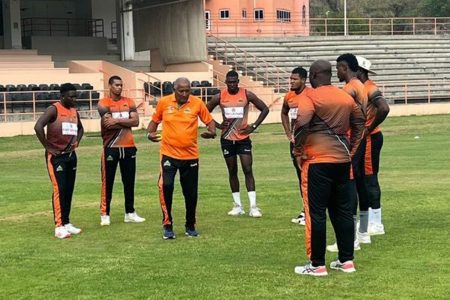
(345, 17)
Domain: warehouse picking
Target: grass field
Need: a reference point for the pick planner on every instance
(234, 258)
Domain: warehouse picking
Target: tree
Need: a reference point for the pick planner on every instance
(435, 8)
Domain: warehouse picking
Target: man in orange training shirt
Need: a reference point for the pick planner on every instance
(323, 150)
(377, 111)
(235, 139)
(118, 116)
(64, 132)
(179, 114)
(289, 116)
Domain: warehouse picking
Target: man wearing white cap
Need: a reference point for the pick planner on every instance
(377, 111)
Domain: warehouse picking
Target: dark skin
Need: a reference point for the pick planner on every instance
(297, 85)
(344, 73)
(246, 159)
(68, 100)
(382, 108)
(115, 92)
(182, 91)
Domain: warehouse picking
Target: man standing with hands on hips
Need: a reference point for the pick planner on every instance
(235, 140)
(179, 113)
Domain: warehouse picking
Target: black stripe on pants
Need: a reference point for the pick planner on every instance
(328, 187)
(189, 184)
(126, 158)
(62, 170)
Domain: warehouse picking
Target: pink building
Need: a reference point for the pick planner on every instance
(257, 17)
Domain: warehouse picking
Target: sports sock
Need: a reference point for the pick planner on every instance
(376, 216)
(237, 198)
(363, 221)
(355, 221)
(252, 198)
(370, 215)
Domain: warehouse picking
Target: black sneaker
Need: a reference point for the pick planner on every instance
(191, 232)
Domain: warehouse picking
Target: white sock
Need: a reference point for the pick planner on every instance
(237, 198)
(376, 214)
(370, 215)
(252, 198)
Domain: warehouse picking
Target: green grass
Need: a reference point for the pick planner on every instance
(234, 258)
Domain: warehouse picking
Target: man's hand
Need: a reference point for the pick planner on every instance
(109, 121)
(290, 137)
(154, 137)
(208, 135)
(224, 124)
(247, 130)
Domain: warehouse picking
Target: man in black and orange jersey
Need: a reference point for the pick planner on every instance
(118, 116)
(377, 111)
(324, 150)
(179, 114)
(64, 132)
(347, 68)
(235, 140)
(289, 115)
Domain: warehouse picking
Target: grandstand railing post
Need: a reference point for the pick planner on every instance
(406, 93)
(326, 27)
(435, 26)
(34, 105)
(414, 26)
(370, 26)
(392, 26)
(4, 105)
(90, 101)
(429, 92)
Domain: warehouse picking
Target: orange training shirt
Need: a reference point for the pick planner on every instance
(324, 117)
(235, 110)
(291, 99)
(62, 133)
(373, 95)
(356, 89)
(121, 109)
(180, 126)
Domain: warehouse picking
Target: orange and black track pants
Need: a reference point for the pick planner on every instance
(126, 159)
(62, 171)
(372, 166)
(327, 186)
(189, 185)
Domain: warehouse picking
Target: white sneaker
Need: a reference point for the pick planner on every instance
(237, 210)
(72, 229)
(334, 247)
(255, 212)
(105, 220)
(133, 218)
(308, 269)
(347, 267)
(61, 232)
(300, 219)
(363, 237)
(376, 229)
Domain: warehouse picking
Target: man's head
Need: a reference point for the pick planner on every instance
(182, 89)
(115, 85)
(298, 79)
(364, 68)
(68, 94)
(232, 82)
(347, 66)
(320, 73)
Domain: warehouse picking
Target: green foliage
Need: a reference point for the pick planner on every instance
(436, 8)
(234, 258)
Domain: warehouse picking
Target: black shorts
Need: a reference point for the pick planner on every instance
(232, 148)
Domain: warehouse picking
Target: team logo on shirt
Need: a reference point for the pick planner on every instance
(187, 111)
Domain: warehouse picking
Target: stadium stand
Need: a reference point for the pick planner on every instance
(413, 67)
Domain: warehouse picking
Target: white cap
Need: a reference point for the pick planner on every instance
(365, 64)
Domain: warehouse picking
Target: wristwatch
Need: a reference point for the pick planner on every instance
(254, 126)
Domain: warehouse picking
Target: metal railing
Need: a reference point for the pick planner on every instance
(29, 105)
(228, 53)
(271, 26)
(380, 26)
(62, 27)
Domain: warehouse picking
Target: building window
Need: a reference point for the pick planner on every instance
(208, 19)
(244, 14)
(224, 14)
(283, 15)
(259, 14)
(304, 14)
